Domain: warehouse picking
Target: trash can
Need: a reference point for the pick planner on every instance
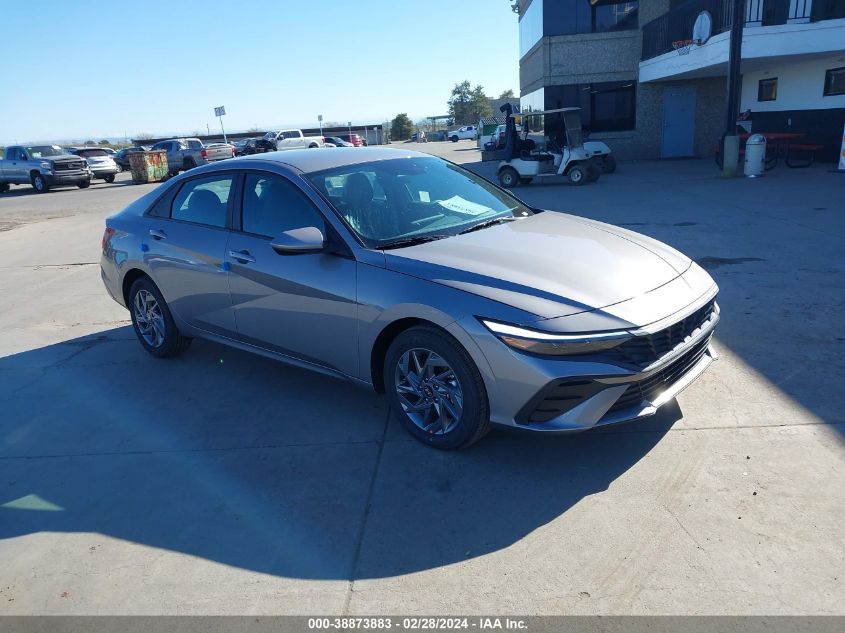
(755, 155)
(148, 166)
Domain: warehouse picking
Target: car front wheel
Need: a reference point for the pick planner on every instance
(435, 389)
(508, 177)
(40, 184)
(153, 322)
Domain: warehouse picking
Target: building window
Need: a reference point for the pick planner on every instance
(613, 16)
(530, 27)
(834, 82)
(767, 89)
(612, 106)
(605, 107)
(568, 17)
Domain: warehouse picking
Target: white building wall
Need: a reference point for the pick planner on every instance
(800, 86)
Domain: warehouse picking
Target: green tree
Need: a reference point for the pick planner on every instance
(507, 94)
(468, 104)
(401, 127)
(105, 141)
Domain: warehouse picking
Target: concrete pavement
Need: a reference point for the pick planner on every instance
(225, 483)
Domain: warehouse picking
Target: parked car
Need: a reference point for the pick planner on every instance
(293, 139)
(465, 132)
(498, 137)
(338, 142)
(250, 146)
(218, 151)
(182, 153)
(356, 139)
(122, 156)
(102, 165)
(43, 167)
(467, 307)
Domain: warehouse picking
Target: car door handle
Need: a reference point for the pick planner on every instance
(158, 234)
(242, 256)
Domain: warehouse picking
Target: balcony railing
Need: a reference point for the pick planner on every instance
(659, 34)
(677, 24)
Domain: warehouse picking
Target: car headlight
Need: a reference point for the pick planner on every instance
(46, 165)
(548, 344)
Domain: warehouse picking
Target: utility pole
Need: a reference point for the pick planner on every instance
(730, 140)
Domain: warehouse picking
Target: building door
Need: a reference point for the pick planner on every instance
(678, 121)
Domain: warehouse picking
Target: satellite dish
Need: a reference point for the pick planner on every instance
(703, 28)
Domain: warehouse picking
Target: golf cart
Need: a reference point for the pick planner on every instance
(563, 158)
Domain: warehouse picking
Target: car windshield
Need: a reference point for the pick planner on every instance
(41, 151)
(403, 200)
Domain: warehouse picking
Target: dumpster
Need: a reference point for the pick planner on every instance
(148, 166)
(755, 155)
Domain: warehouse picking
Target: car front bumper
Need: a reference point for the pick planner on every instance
(58, 179)
(565, 395)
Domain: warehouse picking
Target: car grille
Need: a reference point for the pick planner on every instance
(642, 351)
(650, 388)
(68, 165)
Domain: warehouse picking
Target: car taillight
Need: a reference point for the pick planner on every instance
(204, 153)
(107, 235)
(233, 151)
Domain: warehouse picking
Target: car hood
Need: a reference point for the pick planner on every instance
(550, 264)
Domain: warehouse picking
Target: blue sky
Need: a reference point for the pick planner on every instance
(102, 69)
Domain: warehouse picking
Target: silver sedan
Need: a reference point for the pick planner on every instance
(405, 273)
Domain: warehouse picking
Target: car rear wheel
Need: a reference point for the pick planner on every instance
(4, 187)
(435, 389)
(109, 179)
(508, 177)
(153, 322)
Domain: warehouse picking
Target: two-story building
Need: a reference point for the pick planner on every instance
(646, 98)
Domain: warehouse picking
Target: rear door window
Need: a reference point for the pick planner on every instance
(203, 201)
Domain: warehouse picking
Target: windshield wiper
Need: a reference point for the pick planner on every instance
(485, 224)
(410, 241)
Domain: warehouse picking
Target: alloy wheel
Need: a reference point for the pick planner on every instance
(429, 391)
(148, 318)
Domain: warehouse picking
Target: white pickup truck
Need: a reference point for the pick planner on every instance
(465, 132)
(293, 139)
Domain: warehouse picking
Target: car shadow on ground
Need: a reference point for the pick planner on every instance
(243, 461)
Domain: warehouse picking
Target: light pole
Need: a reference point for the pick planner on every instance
(320, 119)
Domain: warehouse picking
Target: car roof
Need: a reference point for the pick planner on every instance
(313, 160)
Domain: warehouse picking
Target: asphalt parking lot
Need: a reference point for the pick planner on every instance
(224, 483)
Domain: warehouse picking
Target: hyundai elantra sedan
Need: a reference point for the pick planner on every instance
(410, 275)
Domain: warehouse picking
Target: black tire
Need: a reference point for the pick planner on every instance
(39, 183)
(474, 421)
(313, 146)
(109, 179)
(174, 342)
(188, 164)
(508, 177)
(593, 171)
(454, 138)
(84, 184)
(4, 187)
(608, 163)
(578, 175)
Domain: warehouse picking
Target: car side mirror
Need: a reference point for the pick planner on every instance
(308, 239)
